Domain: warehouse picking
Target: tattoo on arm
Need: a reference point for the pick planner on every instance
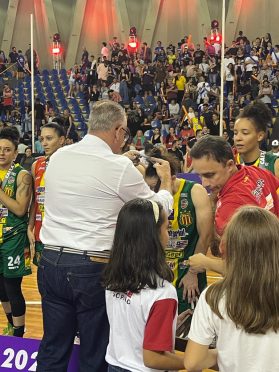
(25, 186)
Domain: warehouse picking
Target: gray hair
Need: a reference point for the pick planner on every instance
(105, 115)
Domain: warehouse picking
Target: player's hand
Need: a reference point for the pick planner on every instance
(197, 262)
(190, 287)
(31, 237)
(182, 316)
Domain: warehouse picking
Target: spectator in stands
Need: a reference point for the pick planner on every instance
(20, 65)
(174, 108)
(13, 55)
(39, 114)
(27, 160)
(7, 101)
(68, 123)
(146, 53)
(171, 136)
(275, 147)
(157, 138)
(139, 140)
(104, 51)
(102, 71)
(94, 96)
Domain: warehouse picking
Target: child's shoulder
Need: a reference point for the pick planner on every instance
(164, 290)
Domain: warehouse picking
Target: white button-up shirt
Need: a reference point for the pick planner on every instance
(85, 187)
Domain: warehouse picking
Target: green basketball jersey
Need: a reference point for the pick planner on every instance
(184, 236)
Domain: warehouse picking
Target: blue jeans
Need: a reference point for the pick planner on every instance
(116, 369)
(72, 299)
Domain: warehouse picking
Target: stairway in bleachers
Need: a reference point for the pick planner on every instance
(53, 86)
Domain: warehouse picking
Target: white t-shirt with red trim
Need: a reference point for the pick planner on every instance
(145, 320)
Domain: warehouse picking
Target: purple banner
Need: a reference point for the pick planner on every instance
(19, 354)
(190, 177)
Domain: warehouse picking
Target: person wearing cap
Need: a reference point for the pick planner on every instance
(275, 147)
(86, 184)
(249, 131)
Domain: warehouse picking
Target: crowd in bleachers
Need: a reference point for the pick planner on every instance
(176, 90)
(171, 94)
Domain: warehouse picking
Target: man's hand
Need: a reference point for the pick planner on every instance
(31, 237)
(198, 262)
(190, 287)
(162, 168)
(132, 154)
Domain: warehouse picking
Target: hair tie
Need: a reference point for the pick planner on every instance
(156, 211)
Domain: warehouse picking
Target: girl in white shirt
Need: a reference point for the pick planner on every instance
(141, 301)
(242, 309)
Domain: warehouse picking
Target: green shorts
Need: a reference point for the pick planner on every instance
(38, 252)
(15, 259)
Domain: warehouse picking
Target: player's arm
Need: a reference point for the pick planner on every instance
(19, 206)
(204, 218)
(276, 168)
(200, 262)
(31, 221)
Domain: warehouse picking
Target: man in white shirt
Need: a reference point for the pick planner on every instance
(250, 62)
(86, 184)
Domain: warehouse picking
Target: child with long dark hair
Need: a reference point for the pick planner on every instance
(141, 301)
(242, 309)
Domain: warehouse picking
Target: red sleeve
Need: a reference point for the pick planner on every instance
(158, 334)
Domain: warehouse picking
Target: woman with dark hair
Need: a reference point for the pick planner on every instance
(171, 136)
(141, 301)
(242, 309)
(157, 137)
(250, 130)
(15, 195)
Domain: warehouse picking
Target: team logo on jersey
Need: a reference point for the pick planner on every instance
(171, 265)
(185, 219)
(184, 203)
(9, 191)
(11, 179)
(245, 179)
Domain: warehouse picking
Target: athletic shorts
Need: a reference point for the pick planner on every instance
(15, 258)
(38, 252)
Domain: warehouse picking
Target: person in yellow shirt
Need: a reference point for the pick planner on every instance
(180, 82)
